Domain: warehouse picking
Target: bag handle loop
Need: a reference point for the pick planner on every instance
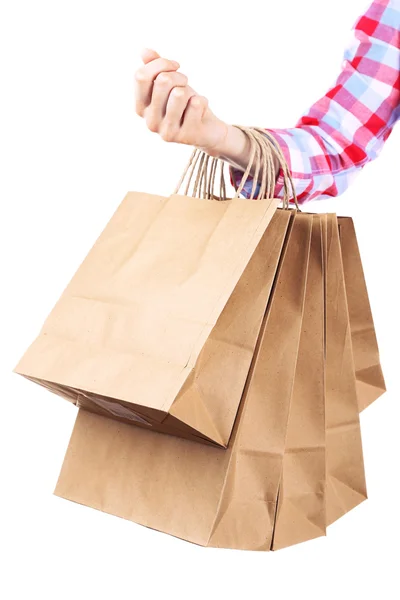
(263, 149)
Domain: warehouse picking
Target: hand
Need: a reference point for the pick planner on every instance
(173, 109)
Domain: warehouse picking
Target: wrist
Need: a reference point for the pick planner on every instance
(236, 150)
(231, 143)
(233, 147)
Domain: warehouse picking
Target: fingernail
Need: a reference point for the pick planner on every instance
(175, 64)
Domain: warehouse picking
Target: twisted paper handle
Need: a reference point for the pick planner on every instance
(263, 148)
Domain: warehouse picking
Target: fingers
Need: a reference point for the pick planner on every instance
(145, 77)
(170, 107)
(194, 113)
(176, 106)
(148, 55)
(163, 84)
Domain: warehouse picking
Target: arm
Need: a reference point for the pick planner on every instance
(347, 127)
(330, 144)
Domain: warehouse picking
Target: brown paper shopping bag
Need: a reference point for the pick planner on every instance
(369, 376)
(301, 512)
(247, 511)
(345, 485)
(206, 495)
(164, 310)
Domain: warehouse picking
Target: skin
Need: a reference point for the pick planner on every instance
(173, 110)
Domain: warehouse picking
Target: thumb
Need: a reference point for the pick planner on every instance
(148, 55)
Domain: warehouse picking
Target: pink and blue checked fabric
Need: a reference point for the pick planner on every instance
(347, 127)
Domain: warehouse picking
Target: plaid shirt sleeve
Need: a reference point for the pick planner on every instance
(347, 127)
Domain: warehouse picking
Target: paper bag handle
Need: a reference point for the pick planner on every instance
(263, 148)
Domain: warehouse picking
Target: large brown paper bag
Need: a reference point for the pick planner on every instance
(247, 512)
(130, 334)
(346, 486)
(369, 377)
(206, 495)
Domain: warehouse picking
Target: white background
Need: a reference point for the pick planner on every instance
(71, 146)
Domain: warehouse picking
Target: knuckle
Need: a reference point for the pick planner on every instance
(167, 134)
(163, 79)
(178, 92)
(140, 76)
(166, 137)
(152, 124)
(182, 79)
(198, 102)
(139, 108)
